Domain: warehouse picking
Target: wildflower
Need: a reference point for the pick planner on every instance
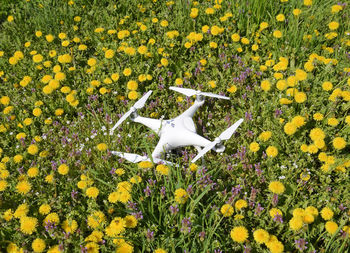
(133, 95)
(274, 212)
(276, 187)
(331, 227)
(333, 25)
(63, 169)
(102, 147)
(160, 250)
(92, 192)
(265, 136)
(109, 54)
(28, 224)
(275, 246)
(69, 226)
(125, 248)
(127, 72)
(116, 227)
(317, 133)
(290, 128)
(277, 34)
(254, 147)
(235, 37)
(307, 2)
(44, 209)
(23, 187)
(181, 196)
(51, 218)
(300, 97)
(280, 17)
(32, 172)
(296, 223)
(327, 86)
(265, 85)
(145, 165)
(336, 8)
(38, 245)
(318, 116)
(162, 169)
(227, 210)
(194, 13)
(37, 112)
(271, 151)
(241, 204)
(339, 143)
(239, 234)
(232, 89)
(261, 236)
(327, 213)
(130, 221)
(164, 62)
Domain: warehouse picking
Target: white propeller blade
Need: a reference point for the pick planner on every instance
(124, 117)
(191, 92)
(209, 94)
(138, 105)
(225, 135)
(135, 158)
(185, 91)
(141, 102)
(204, 151)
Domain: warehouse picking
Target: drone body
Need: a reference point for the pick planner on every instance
(177, 132)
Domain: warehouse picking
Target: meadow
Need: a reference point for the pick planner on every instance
(70, 69)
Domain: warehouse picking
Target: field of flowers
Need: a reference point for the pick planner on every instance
(70, 69)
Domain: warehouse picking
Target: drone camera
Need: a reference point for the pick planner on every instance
(133, 115)
(219, 148)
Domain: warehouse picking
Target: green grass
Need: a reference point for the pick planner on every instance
(161, 220)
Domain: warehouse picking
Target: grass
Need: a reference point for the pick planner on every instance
(106, 204)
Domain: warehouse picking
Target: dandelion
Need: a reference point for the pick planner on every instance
(63, 169)
(181, 196)
(271, 151)
(32, 149)
(102, 147)
(241, 203)
(327, 213)
(23, 187)
(331, 227)
(227, 210)
(254, 147)
(339, 143)
(38, 245)
(261, 236)
(276, 187)
(109, 54)
(92, 192)
(239, 234)
(28, 224)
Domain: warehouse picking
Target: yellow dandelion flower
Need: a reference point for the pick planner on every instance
(227, 210)
(239, 234)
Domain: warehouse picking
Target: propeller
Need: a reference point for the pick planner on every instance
(225, 135)
(191, 92)
(135, 158)
(138, 105)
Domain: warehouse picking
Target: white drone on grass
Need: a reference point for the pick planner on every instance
(177, 132)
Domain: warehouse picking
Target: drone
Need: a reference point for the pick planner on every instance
(177, 132)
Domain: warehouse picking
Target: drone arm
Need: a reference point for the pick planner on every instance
(191, 111)
(161, 147)
(154, 124)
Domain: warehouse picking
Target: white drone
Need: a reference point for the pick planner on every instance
(177, 132)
